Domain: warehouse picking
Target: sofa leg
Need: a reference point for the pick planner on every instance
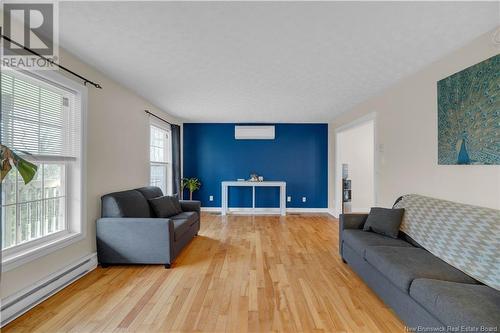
(167, 266)
(343, 260)
(104, 265)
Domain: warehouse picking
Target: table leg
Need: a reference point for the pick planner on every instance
(224, 200)
(253, 199)
(283, 200)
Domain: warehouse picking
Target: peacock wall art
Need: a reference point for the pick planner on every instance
(469, 115)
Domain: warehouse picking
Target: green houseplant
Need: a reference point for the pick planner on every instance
(9, 158)
(192, 184)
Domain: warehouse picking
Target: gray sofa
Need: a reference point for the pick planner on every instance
(129, 232)
(423, 290)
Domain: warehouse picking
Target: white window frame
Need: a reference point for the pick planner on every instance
(76, 216)
(165, 127)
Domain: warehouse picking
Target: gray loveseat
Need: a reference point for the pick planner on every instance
(423, 290)
(129, 232)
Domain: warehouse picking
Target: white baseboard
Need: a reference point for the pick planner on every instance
(263, 211)
(211, 209)
(15, 305)
(333, 212)
(307, 210)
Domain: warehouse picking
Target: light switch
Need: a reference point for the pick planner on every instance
(288, 199)
(304, 199)
(211, 198)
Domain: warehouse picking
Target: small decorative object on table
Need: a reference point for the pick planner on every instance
(253, 177)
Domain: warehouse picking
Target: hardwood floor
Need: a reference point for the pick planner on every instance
(242, 273)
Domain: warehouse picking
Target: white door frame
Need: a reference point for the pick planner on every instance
(371, 117)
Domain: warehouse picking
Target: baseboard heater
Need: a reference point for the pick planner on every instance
(19, 303)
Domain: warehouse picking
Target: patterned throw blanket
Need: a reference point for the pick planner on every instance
(466, 237)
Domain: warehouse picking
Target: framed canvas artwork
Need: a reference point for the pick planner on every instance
(469, 115)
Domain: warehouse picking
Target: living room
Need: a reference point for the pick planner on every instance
(250, 166)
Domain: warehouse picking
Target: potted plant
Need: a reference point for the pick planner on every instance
(9, 158)
(192, 184)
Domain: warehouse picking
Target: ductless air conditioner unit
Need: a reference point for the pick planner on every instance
(254, 132)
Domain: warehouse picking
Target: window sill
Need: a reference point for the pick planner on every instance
(24, 256)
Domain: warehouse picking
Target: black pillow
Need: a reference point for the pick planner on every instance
(165, 206)
(384, 221)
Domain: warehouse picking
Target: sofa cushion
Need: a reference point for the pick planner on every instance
(181, 226)
(129, 203)
(191, 217)
(165, 206)
(402, 265)
(384, 221)
(458, 304)
(359, 240)
(150, 192)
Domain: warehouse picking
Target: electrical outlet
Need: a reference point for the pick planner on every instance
(304, 199)
(288, 199)
(211, 198)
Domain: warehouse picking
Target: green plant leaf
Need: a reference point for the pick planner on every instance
(26, 169)
(192, 184)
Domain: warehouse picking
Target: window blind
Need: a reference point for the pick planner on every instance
(38, 117)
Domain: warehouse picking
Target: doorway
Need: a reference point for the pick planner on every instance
(355, 160)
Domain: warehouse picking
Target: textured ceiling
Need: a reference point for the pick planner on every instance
(266, 61)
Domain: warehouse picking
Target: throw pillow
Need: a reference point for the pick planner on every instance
(165, 206)
(384, 221)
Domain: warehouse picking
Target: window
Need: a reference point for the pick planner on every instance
(35, 210)
(42, 117)
(160, 157)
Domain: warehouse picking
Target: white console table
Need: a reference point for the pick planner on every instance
(227, 184)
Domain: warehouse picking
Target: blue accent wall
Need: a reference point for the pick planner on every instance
(297, 155)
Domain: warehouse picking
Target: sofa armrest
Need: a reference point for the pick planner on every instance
(134, 240)
(191, 206)
(350, 221)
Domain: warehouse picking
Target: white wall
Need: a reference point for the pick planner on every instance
(406, 127)
(355, 148)
(117, 158)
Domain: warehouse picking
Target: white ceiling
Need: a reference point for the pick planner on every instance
(266, 61)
